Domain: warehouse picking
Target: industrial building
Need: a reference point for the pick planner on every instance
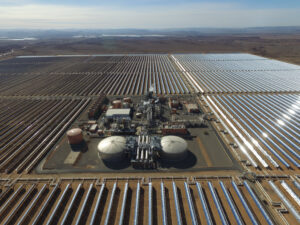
(179, 129)
(142, 151)
(149, 139)
(118, 114)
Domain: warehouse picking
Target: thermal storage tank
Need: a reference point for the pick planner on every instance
(117, 104)
(75, 136)
(127, 99)
(112, 148)
(173, 148)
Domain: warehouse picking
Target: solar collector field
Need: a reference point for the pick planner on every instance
(30, 127)
(271, 129)
(259, 96)
(90, 75)
(218, 57)
(257, 101)
(89, 202)
(239, 73)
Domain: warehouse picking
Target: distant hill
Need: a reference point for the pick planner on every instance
(76, 33)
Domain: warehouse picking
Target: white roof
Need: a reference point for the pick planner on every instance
(173, 144)
(112, 112)
(74, 132)
(112, 145)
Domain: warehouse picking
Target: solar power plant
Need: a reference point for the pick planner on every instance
(149, 139)
(115, 75)
(213, 73)
(274, 134)
(30, 126)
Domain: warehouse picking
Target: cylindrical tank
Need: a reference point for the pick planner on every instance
(127, 99)
(174, 148)
(117, 104)
(112, 148)
(75, 136)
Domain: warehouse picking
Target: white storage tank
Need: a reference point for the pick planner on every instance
(174, 148)
(112, 148)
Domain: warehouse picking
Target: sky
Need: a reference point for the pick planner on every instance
(147, 14)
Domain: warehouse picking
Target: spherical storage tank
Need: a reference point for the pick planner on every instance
(173, 148)
(75, 136)
(112, 148)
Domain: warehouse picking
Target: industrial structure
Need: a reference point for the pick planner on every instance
(173, 148)
(142, 151)
(112, 148)
(149, 139)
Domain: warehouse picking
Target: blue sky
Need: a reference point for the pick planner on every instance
(51, 14)
(255, 4)
(142, 3)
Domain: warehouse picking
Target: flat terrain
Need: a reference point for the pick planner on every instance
(285, 47)
(211, 156)
(252, 103)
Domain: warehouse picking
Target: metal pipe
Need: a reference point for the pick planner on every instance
(123, 204)
(178, 213)
(97, 204)
(106, 222)
(71, 204)
(84, 204)
(137, 204)
(231, 204)
(204, 204)
(58, 204)
(191, 205)
(150, 204)
(286, 202)
(45, 205)
(11, 198)
(15, 210)
(217, 203)
(297, 185)
(258, 204)
(163, 204)
(291, 192)
(248, 210)
(26, 213)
